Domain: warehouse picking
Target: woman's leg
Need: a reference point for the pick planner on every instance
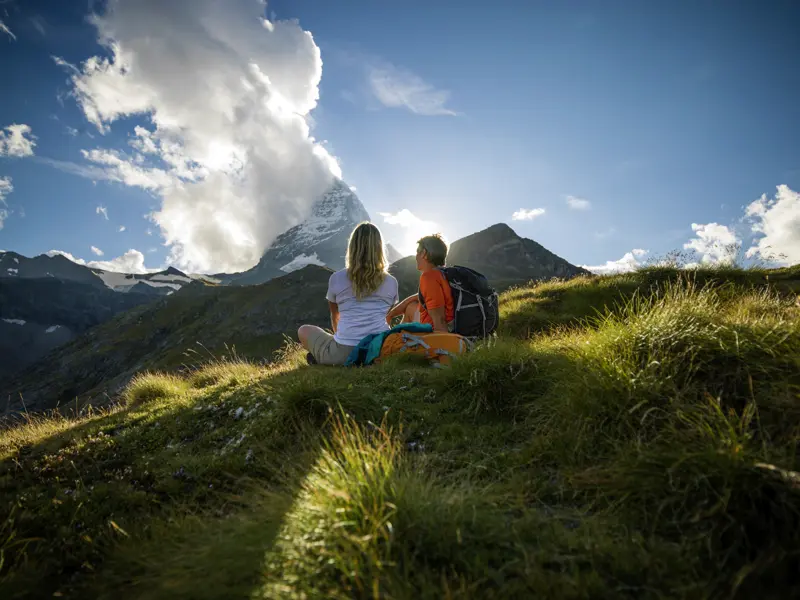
(307, 332)
(322, 346)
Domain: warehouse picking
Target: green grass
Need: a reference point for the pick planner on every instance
(629, 436)
(146, 387)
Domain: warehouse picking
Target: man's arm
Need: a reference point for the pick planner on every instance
(438, 318)
(398, 310)
(334, 308)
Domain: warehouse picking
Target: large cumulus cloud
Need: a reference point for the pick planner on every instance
(228, 93)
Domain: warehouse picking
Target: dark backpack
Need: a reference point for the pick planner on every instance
(476, 303)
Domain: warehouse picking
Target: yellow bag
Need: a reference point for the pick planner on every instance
(438, 347)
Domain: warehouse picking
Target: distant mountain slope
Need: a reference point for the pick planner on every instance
(17, 266)
(319, 240)
(158, 335)
(500, 254)
(59, 267)
(37, 315)
(392, 254)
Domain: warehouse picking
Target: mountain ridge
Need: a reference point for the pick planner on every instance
(499, 253)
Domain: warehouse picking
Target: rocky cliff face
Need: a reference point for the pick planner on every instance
(319, 240)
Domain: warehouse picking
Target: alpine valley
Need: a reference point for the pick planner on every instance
(70, 333)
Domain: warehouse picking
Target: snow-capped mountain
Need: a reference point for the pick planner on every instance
(319, 240)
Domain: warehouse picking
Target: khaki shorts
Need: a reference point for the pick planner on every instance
(326, 350)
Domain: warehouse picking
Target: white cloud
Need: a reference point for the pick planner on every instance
(96, 251)
(102, 210)
(5, 188)
(578, 203)
(400, 88)
(527, 214)
(130, 262)
(93, 172)
(121, 168)
(122, 228)
(70, 131)
(17, 140)
(629, 262)
(714, 243)
(229, 95)
(776, 222)
(39, 24)
(4, 29)
(413, 229)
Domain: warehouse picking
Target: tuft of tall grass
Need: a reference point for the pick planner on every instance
(146, 387)
(225, 373)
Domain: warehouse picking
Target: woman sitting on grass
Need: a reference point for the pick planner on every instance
(359, 296)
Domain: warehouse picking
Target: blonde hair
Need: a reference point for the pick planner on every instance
(366, 261)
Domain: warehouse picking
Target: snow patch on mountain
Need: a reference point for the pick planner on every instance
(52, 328)
(324, 234)
(158, 284)
(123, 282)
(172, 278)
(15, 321)
(13, 271)
(336, 213)
(302, 261)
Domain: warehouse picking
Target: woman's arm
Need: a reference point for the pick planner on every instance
(334, 308)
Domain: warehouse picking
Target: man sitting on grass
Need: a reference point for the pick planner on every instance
(433, 305)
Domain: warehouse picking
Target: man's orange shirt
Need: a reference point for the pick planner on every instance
(437, 294)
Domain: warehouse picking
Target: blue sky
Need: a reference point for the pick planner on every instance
(621, 130)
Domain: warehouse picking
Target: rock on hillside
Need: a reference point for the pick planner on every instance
(319, 240)
(158, 335)
(38, 315)
(499, 253)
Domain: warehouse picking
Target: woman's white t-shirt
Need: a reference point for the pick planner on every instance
(360, 318)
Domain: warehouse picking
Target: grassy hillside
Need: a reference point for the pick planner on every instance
(632, 436)
(195, 323)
